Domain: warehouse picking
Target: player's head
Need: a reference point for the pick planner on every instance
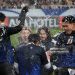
(68, 22)
(44, 33)
(34, 38)
(69, 19)
(2, 17)
(24, 33)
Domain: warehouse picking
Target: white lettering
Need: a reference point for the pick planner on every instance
(36, 22)
(12, 23)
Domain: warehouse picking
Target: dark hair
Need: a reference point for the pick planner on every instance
(34, 38)
(47, 32)
(2, 17)
(69, 19)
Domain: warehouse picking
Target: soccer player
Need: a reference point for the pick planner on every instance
(5, 44)
(66, 39)
(31, 57)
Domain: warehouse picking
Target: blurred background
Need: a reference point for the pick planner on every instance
(41, 13)
(37, 3)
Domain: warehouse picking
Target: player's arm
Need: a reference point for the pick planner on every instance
(21, 20)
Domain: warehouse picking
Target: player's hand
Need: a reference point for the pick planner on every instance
(25, 9)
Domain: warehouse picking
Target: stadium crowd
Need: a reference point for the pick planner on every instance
(37, 3)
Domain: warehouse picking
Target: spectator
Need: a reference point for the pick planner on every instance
(39, 3)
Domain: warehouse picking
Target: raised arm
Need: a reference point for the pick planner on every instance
(21, 20)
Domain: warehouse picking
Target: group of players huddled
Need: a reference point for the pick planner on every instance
(33, 55)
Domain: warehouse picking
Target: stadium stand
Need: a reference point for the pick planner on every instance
(55, 12)
(49, 7)
(37, 3)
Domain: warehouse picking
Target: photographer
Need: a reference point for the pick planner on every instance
(5, 44)
(66, 39)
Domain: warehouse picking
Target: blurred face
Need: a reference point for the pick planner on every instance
(2, 23)
(43, 35)
(25, 34)
(67, 27)
(73, 27)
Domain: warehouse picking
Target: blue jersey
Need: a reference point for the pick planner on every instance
(2, 53)
(10, 53)
(30, 59)
(5, 43)
(66, 59)
(6, 51)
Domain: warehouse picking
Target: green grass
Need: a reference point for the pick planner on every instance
(53, 31)
(14, 38)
